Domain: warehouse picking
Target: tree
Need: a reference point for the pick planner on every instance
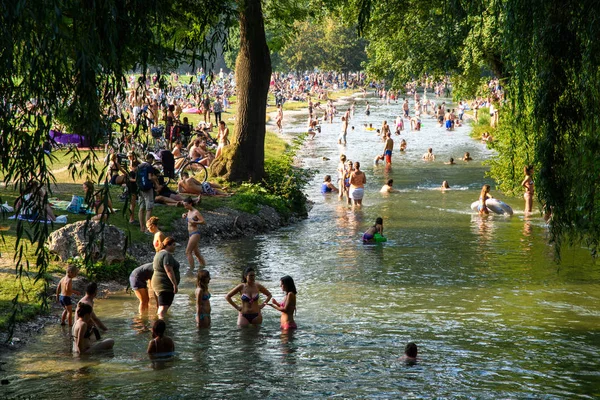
(326, 44)
(70, 58)
(244, 159)
(547, 54)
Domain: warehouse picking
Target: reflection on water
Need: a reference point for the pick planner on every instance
(492, 314)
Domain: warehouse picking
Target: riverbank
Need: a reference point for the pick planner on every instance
(226, 218)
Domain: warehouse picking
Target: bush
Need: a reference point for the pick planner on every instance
(100, 271)
(281, 189)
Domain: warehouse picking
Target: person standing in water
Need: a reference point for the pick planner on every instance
(341, 176)
(165, 279)
(64, 290)
(529, 190)
(194, 219)
(387, 150)
(249, 290)
(287, 305)
(138, 280)
(202, 299)
(483, 197)
(357, 185)
(344, 132)
(160, 343)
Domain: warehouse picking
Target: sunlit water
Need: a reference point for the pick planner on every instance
(493, 315)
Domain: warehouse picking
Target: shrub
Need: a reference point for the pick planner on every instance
(100, 271)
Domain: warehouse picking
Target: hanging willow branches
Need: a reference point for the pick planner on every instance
(68, 59)
(547, 53)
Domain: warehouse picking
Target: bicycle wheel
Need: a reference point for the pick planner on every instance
(196, 171)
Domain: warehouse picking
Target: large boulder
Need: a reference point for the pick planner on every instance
(72, 240)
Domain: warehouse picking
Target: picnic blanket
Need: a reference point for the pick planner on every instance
(61, 219)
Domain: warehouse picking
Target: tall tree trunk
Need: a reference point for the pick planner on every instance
(243, 160)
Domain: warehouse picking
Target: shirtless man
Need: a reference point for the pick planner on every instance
(387, 150)
(200, 153)
(405, 108)
(191, 185)
(342, 136)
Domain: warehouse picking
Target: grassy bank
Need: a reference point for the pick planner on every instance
(246, 198)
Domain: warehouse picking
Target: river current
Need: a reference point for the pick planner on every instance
(492, 313)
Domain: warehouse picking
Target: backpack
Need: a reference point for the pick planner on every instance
(143, 176)
(168, 162)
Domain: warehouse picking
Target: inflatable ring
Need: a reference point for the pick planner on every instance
(379, 238)
(494, 205)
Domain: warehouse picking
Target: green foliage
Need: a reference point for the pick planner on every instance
(282, 188)
(100, 271)
(552, 53)
(286, 180)
(69, 59)
(326, 44)
(249, 196)
(413, 38)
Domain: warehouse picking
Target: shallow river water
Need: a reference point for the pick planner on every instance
(492, 314)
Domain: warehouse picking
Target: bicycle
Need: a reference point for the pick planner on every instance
(194, 169)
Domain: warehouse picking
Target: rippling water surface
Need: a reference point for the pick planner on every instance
(493, 315)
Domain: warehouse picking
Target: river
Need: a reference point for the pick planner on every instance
(492, 314)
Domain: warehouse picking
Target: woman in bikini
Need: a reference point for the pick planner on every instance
(194, 219)
(152, 225)
(287, 305)
(528, 185)
(249, 290)
(202, 299)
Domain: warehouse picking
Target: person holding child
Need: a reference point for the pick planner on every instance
(81, 333)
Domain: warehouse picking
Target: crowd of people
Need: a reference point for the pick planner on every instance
(160, 279)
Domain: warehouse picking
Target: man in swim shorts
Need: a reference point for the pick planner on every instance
(387, 150)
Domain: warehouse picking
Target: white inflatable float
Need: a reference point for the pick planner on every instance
(494, 205)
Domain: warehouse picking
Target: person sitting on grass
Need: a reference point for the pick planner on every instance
(97, 203)
(31, 203)
(164, 195)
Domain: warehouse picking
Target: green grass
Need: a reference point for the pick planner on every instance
(30, 300)
(66, 186)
